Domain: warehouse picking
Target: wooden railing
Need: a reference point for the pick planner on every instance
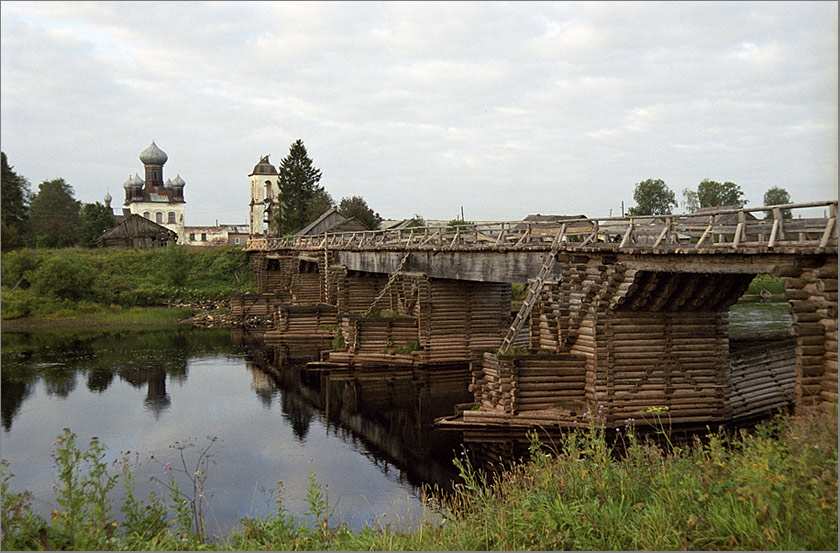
(722, 229)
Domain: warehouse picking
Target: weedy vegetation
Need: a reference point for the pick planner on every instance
(774, 488)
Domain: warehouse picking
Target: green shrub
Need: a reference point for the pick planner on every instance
(772, 284)
(65, 277)
(18, 266)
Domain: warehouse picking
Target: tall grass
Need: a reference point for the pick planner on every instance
(771, 489)
(76, 280)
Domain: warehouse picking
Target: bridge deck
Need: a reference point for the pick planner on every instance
(717, 231)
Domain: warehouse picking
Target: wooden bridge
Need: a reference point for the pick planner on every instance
(633, 310)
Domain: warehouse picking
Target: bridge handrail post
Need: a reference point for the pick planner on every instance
(626, 234)
(777, 216)
(706, 232)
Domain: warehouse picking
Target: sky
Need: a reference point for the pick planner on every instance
(499, 109)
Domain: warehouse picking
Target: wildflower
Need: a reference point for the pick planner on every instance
(167, 468)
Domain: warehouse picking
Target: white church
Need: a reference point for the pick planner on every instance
(154, 199)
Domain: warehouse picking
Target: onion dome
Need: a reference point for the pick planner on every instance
(108, 198)
(129, 182)
(153, 155)
(264, 167)
(168, 183)
(138, 181)
(178, 181)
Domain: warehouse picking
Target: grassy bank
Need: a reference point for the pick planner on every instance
(98, 317)
(772, 489)
(104, 283)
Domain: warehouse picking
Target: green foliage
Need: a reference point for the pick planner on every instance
(122, 277)
(455, 224)
(65, 277)
(713, 194)
(356, 207)
(653, 197)
(691, 202)
(21, 527)
(338, 343)
(14, 207)
(83, 520)
(54, 215)
(298, 183)
(321, 201)
(518, 291)
(772, 284)
(777, 196)
(96, 219)
(771, 489)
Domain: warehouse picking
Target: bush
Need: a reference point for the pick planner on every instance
(18, 266)
(65, 277)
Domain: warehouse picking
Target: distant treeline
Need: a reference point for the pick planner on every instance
(42, 282)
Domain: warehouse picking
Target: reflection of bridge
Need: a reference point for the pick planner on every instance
(640, 304)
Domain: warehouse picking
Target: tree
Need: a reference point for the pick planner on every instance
(298, 181)
(777, 196)
(321, 202)
(15, 197)
(653, 197)
(713, 194)
(54, 215)
(356, 207)
(691, 202)
(95, 220)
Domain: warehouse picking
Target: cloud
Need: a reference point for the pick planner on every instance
(421, 108)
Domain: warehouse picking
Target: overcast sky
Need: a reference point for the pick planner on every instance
(421, 108)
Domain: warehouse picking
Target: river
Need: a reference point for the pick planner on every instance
(370, 441)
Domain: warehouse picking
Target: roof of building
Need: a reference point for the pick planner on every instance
(136, 226)
(153, 155)
(264, 167)
(331, 221)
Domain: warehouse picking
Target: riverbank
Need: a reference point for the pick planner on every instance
(146, 317)
(772, 489)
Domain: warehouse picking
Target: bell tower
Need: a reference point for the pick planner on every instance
(265, 187)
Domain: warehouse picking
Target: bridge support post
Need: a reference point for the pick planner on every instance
(812, 301)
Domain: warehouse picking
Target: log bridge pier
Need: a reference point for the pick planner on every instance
(629, 319)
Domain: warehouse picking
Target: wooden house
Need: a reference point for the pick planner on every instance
(136, 231)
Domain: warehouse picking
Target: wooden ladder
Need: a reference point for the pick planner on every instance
(533, 292)
(391, 280)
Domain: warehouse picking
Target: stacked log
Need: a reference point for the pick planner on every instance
(762, 379)
(675, 362)
(458, 316)
(257, 305)
(307, 287)
(376, 340)
(315, 323)
(355, 292)
(518, 383)
(812, 301)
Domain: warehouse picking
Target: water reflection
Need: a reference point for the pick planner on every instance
(369, 438)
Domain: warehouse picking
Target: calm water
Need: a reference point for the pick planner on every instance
(371, 441)
(143, 391)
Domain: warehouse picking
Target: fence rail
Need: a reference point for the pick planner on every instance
(729, 229)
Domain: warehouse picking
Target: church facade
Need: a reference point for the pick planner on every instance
(154, 199)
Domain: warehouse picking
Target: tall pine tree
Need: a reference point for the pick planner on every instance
(54, 215)
(15, 207)
(298, 180)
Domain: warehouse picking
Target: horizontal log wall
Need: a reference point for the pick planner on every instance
(456, 317)
(812, 300)
(762, 378)
(519, 383)
(257, 305)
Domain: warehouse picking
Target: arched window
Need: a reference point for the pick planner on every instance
(171, 218)
(147, 215)
(159, 217)
(268, 193)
